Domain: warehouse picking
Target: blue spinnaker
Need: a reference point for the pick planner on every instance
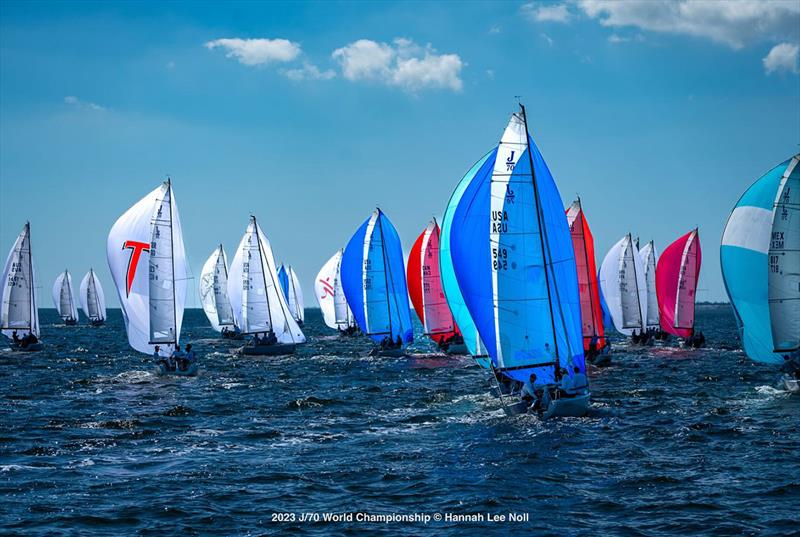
(514, 261)
(608, 322)
(375, 287)
(455, 300)
(283, 279)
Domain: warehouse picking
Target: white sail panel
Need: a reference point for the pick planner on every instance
(687, 284)
(438, 319)
(214, 290)
(624, 287)
(62, 297)
(649, 257)
(324, 289)
(296, 303)
(19, 312)
(93, 300)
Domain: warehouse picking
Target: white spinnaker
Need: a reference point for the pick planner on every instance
(93, 300)
(784, 263)
(254, 292)
(18, 311)
(649, 257)
(624, 287)
(214, 290)
(296, 304)
(151, 288)
(63, 297)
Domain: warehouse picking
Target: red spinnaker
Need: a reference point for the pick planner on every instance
(583, 244)
(677, 273)
(425, 286)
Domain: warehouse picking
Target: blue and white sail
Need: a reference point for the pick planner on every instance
(760, 263)
(290, 285)
(374, 280)
(455, 300)
(513, 258)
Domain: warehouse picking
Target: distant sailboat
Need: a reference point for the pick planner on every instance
(624, 287)
(19, 316)
(515, 265)
(148, 264)
(63, 299)
(292, 292)
(330, 296)
(92, 298)
(214, 294)
(676, 284)
(373, 278)
(259, 307)
(455, 300)
(760, 257)
(594, 341)
(649, 257)
(426, 292)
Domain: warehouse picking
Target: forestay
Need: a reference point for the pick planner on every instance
(19, 311)
(624, 288)
(253, 290)
(214, 290)
(676, 284)
(63, 298)
(93, 300)
(147, 259)
(649, 257)
(330, 294)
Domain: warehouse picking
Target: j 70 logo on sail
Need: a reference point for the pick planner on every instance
(510, 162)
(136, 248)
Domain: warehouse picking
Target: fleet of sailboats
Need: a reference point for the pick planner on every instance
(509, 278)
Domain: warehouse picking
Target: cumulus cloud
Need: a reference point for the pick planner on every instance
(82, 105)
(257, 51)
(735, 24)
(538, 12)
(403, 64)
(309, 71)
(782, 57)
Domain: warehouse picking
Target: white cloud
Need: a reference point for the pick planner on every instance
(733, 23)
(403, 64)
(309, 71)
(547, 38)
(82, 105)
(257, 51)
(617, 38)
(495, 29)
(535, 11)
(782, 57)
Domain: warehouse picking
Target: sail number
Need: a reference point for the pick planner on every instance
(500, 259)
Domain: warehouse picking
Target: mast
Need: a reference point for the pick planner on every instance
(225, 268)
(263, 272)
(588, 275)
(96, 297)
(642, 320)
(545, 249)
(385, 269)
(69, 290)
(172, 264)
(31, 297)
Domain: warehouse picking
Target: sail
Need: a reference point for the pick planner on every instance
(62, 297)
(425, 286)
(93, 300)
(19, 312)
(784, 264)
(330, 294)
(514, 261)
(676, 284)
(455, 300)
(373, 278)
(292, 292)
(254, 292)
(649, 257)
(608, 322)
(745, 264)
(214, 290)
(624, 286)
(148, 264)
(583, 245)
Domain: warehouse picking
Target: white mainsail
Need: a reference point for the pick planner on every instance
(330, 294)
(62, 297)
(254, 292)
(296, 302)
(784, 263)
(624, 288)
(19, 312)
(214, 290)
(649, 257)
(148, 263)
(93, 300)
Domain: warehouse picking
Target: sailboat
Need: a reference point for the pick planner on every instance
(373, 278)
(92, 298)
(676, 286)
(624, 287)
(649, 256)
(259, 307)
(452, 292)
(19, 315)
(760, 257)
(595, 345)
(214, 294)
(148, 264)
(426, 292)
(63, 299)
(330, 296)
(515, 265)
(292, 292)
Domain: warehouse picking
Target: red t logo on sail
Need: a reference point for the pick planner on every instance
(136, 251)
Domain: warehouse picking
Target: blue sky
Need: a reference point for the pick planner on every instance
(309, 114)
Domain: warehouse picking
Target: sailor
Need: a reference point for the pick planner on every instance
(791, 364)
(635, 337)
(385, 343)
(579, 382)
(29, 339)
(593, 346)
(398, 342)
(187, 359)
(15, 338)
(160, 360)
(566, 382)
(177, 356)
(270, 338)
(529, 389)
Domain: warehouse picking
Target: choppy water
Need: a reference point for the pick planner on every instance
(679, 442)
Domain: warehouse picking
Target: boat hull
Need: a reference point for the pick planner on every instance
(279, 349)
(192, 371)
(790, 384)
(97, 323)
(71, 322)
(601, 360)
(565, 407)
(28, 348)
(389, 353)
(460, 348)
